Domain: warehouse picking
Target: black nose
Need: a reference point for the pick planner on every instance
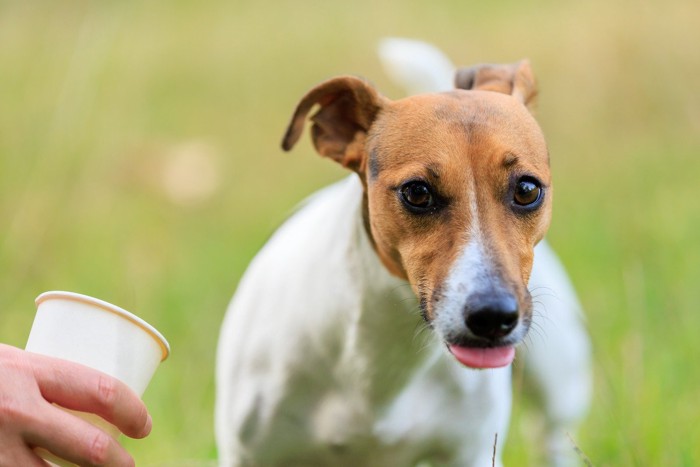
(491, 316)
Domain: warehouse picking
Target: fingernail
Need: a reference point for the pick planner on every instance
(147, 427)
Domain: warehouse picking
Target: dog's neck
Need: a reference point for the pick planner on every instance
(379, 331)
(388, 329)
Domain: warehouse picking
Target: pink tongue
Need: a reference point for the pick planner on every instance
(483, 358)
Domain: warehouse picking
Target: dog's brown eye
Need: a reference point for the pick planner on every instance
(527, 192)
(417, 195)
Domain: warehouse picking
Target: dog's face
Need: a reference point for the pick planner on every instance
(457, 194)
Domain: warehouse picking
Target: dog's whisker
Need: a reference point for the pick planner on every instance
(536, 331)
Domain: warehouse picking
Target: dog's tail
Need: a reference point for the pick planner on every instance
(416, 66)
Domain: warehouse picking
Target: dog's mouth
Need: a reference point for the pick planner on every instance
(483, 357)
(480, 352)
(482, 330)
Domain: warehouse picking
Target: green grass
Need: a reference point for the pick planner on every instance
(98, 100)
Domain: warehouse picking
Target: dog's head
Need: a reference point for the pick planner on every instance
(457, 194)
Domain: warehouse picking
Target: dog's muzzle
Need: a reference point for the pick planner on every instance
(488, 328)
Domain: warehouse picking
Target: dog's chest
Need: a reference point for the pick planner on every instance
(353, 426)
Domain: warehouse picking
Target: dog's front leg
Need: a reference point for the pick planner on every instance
(557, 357)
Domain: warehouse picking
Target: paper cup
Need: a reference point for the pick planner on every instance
(100, 335)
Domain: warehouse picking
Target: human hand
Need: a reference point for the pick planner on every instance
(29, 385)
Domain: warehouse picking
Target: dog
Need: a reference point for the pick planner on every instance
(378, 325)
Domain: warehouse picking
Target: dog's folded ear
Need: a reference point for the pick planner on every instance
(348, 106)
(515, 79)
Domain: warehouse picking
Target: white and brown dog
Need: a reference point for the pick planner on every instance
(322, 360)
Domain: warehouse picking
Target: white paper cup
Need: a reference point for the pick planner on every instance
(100, 335)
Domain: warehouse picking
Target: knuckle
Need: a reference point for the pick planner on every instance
(107, 392)
(17, 414)
(98, 450)
(10, 410)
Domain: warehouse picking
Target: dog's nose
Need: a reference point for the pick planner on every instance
(491, 316)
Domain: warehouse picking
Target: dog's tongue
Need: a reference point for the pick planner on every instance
(483, 358)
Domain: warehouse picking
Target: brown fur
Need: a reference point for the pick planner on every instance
(470, 145)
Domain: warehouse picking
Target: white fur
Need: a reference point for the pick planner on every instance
(558, 354)
(317, 305)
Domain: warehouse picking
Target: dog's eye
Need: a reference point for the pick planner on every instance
(417, 195)
(528, 192)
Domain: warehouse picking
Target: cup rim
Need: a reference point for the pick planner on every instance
(76, 297)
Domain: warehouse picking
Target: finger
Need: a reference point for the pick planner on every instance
(23, 456)
(81, 388)
(75, 440)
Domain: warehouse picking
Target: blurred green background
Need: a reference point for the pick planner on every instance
(140, 163)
